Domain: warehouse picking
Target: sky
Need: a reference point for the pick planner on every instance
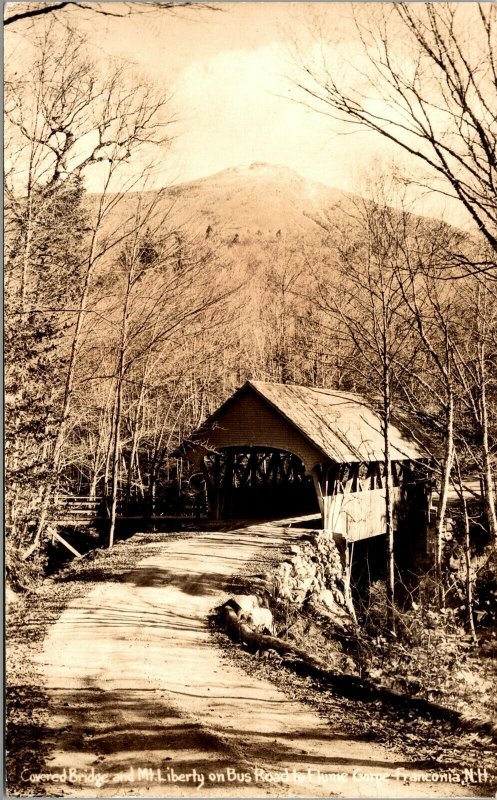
(229, 73)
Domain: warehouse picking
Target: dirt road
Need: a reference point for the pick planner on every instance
(143, 703)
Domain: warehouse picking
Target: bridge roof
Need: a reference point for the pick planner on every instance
(342, 426)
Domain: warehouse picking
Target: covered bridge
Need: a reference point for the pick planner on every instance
(278, 449)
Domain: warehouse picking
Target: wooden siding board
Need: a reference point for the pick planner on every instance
(251, 422)
(357, 515)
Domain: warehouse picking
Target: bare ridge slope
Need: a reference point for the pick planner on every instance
(261, 199)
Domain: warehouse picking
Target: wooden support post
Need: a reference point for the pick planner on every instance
(217, 485)
(370, 476)
(60, 539)
(395, 473)
(353, 476)
(228, 483)
(285, 470)
(316, 479)
(264, 468)
(333, 478)
(378, 476)
(325, 483)
(253, 469)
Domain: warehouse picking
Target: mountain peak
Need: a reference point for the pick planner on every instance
(255, 198)
(262, 169)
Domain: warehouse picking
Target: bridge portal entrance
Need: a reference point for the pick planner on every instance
(257, 482)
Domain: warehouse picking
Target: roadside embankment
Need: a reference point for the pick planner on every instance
(306, 644)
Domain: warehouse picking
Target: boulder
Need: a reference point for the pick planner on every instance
(244, 603)
(260, 619)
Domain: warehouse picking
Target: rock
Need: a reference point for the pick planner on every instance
(339, 597)
(259, 618)
(294, 549)
(283, 593)
(285, 569)
(297, 564)
(244, 602)
(327, 599)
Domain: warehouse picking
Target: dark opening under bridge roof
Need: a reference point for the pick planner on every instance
(341, 425)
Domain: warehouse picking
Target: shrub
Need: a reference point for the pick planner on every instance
(431, 655)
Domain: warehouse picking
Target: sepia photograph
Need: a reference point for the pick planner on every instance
(250, 399)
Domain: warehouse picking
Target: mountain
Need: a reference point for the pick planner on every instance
(244, 211)
(259, 199)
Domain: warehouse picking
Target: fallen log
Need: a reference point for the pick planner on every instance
(303, 663)
(242, 632)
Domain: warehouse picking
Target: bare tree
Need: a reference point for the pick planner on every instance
(118, 11)
(425, 78)
(362, 296)
(461, 492)
(430, 304)
(156, 302)
(64, 121)
(476, 371)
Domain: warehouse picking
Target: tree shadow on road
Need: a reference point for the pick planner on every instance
(112, 731)
(191, 583)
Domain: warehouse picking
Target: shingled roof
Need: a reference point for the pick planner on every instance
(341, 425)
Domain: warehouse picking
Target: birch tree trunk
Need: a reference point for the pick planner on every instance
(444, 494)
(488, 477)
(467, 552)
(387, 412)
(116, 434)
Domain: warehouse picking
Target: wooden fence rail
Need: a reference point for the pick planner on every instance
(75, 510)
